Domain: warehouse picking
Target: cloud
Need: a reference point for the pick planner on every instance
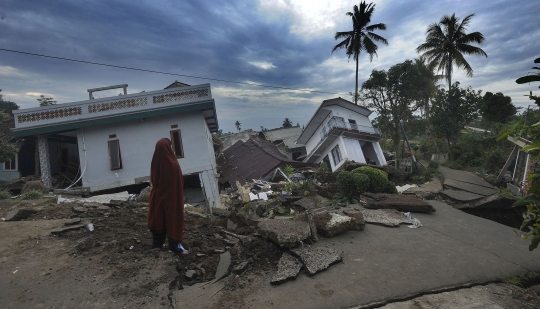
(263, 65)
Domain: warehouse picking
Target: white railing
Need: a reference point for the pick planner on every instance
(68, 112)
(338, 123)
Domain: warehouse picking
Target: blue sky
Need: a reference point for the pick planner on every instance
(284, 43)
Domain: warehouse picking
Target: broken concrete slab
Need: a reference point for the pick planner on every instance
(288, 269)
(400, 202)
(433, 186)
(332, 224)
(240, 267)
(461, 196)
(469, 187)
(91, 205)
(79, 209)
(464, 176)
(200, 295)
(20, 214)
(495, 201)
(312, 202)
(67, 229)
(359, 221)
(286, 233)
(231, 225)
(72, 221)
(144, 196)
(223, 265)
(386, 217)
(316, 259)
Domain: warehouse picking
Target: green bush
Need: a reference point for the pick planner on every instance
(323, 172)
(32, 195)
(391, 188)
(378, 180)
(433, 165)
(4, 194)
(351, 185)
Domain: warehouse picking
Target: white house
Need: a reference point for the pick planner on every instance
(114, 138)
(340, 131)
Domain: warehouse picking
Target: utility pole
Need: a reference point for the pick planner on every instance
(410, 149)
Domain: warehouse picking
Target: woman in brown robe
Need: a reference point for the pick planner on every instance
(166, 208)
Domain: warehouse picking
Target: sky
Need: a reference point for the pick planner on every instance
(284, 43)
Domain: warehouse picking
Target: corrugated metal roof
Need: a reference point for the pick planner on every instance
(287, 135)
(253, 159)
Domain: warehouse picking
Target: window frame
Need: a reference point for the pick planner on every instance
(9, 169)
(336, 152)
(119, 155)
(181, 146)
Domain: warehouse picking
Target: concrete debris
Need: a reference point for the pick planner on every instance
(393, 201)
(286, 233)
(461, 196)
(288, 269)
(223, 265)
(386, 217)
(67, 229)
(317, 259)
(332, 224)
(190, 274)
(231, 225)
(312, 202)
(79, 209)
(72, 221)
(20, 214)
(144, 196)
(359, 222)
(240, 267)
(102, 199)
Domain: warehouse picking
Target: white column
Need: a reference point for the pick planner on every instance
(210, 187)
(44, 161)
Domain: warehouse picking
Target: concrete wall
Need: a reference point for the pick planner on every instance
(327, 151)
(137, 143)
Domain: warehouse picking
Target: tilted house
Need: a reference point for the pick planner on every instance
(284, 139)
(340, 131)
(114, 138)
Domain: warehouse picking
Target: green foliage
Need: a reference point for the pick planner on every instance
(518, 280)
(497, 107)
(390, 188)
(4, 194)
(378, 180)
(238, 125)
(288, 170)
(351, 185)
(323, 172)
(32, 195)
(7, 151)
(46, 101)
(7, 106)
(452, 110)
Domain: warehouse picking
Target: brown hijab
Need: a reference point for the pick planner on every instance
(166, 208)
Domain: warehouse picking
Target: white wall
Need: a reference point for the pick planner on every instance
(137, 143)
(327, 151)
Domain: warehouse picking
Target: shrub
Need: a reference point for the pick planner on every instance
(391, 188)
(351, 185)
(433, 165)
(378, 180)
(322, 173)
(4, 194)
(32, 195)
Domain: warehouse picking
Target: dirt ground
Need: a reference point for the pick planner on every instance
(114, 265)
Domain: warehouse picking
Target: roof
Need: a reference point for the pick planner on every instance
(321, 114)
(253, 159)
(176, 84)
(287, 135)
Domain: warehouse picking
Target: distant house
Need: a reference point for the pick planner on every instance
(284, 139)
(340, 131)
(113, 138)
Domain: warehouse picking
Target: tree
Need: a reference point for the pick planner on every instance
(497, 107)
(452, 110)
(46, 101)
(531, 78)
(287, 123)
(7, 106)
(395, 95)
(237, 124)
(447, 43)
(361, 37)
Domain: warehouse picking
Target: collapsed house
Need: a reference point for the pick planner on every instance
(341, 130)
(284, 139)
(112, 139)
(253, 159)
(523, 162)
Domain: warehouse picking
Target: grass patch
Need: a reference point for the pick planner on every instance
(32, 195)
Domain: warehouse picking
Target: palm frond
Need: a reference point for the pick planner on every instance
(473, 37)
(379, 26)
(471, 50)
(460, 62)
(377, 38)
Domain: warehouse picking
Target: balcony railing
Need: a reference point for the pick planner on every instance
(337, 123)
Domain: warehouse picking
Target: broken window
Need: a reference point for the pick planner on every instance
(176, 139)
(336, 155)
(115, 158)
(353, 125)
(11, 165)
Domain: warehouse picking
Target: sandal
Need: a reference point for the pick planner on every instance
(180, 250)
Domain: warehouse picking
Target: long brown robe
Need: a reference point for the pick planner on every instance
(166, 208)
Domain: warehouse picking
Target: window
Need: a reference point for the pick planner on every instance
(115, 157)
(11, 165)
(176, 139)
(352, 122)
(336, 155)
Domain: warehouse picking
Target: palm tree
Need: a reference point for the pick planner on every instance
(447, 42)
(287, 123)
(237, 124)
(361, 36)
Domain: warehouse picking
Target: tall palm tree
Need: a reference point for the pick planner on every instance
(360, 37)
(237, 124)
(447, 43)
(287, 123)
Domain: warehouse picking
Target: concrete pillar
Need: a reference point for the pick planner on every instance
(210, 188)
(44, 161)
